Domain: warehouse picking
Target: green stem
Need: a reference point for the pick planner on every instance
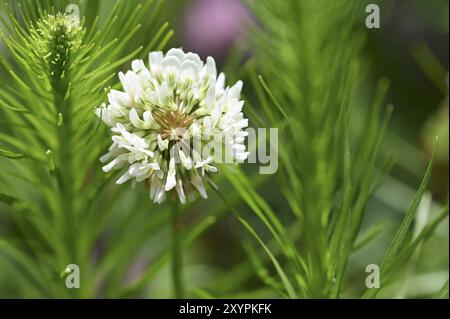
(177, 254)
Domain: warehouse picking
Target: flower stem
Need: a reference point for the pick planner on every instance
(177, 257)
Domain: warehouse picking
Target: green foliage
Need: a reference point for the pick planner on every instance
(310, 58)
(52, 80)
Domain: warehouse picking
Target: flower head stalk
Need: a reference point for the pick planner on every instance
(172, 122)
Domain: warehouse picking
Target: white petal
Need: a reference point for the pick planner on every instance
(105, 157)
(163, 93)
(171, 180)
(119, 98)
(188, 69)
(235, 90)
(197, 181)
(160, 195)
(171, 62)
(153, 186)
(215, 114)
(162, 144)
(154, 166)
(134, 118)
(155, 59)
(123, 178)
(148, 118)
(176, 52)
(109, 166)
(210, 98)
(180, 192)
(211, 70)
(170, 183)
(137, 65)
(187, 162)
(220, 84)
(194, 58)
(117, 162)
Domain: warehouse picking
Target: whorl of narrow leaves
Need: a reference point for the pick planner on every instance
(53, 42)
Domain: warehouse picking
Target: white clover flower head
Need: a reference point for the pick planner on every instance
(163, 112)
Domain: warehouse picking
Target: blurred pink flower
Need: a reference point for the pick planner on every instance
(212, 26)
